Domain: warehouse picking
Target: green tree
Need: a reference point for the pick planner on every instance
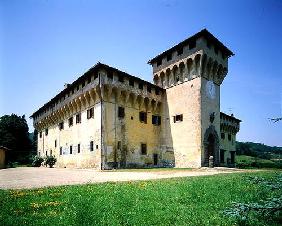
(14, 135)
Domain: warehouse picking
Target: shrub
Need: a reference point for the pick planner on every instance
(37, 161)
(50, 160)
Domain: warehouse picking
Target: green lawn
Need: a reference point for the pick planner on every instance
(181, 201)
(245, 161)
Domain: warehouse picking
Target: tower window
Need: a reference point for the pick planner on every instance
(121, 112)
(144, 149)
(70, 121)
(71, 149)
(178, 118)
(40, 134)
(61, 150)
(168, 57)
(55, 143)
(156, 120)
(46, 132)
(78, 118)
(143, 116)
(78, 148)
(90, 113)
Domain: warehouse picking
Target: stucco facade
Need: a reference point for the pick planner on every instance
(108, 118)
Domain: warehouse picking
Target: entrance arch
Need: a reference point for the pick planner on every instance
(211, 146)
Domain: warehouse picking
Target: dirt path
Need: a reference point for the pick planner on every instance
(29, 177)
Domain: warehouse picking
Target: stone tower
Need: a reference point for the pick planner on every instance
(192, 72)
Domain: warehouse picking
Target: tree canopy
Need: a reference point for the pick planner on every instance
(14, 135)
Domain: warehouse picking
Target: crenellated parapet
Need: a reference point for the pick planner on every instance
(229, 124)
(100, 83)
(201, 55)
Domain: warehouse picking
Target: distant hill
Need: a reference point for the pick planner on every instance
(257, 150)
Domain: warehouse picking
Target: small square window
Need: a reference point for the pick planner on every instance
(121, 112)
(168, 57)
(120, 78)
(143, 149)
(178, 118)
(110, 75)
(192, 44)
(143, 116)
(156, 120)
(180, 51)
(159, 62)
(131, 82)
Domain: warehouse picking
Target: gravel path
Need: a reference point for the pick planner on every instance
(29, 177)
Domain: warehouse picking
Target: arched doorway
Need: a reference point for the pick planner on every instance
(211, 146)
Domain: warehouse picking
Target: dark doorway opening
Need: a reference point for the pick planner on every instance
(155, 156)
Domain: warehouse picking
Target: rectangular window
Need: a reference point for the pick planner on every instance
(78, 148)
(149, 89)
(91, 146)
(71, 149)
(140, 86)
(131, 82)
(168, 57)
(78, 118)
(97, 146)
(55, 143)
(40, 134)
(144, 149)
(70, 121)
(61, 150)
(110, 75)
(61, 125)
(157, 91)
(180, 51)
(178, 118)
(143, 116)
(192, 44)
(120, 78)
(121, 112)
(159, 62)
(90, 113)
(222, 136)
(156, 120)
(46, 132)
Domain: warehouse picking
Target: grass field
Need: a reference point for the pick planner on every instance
(181, 201)
(245, 161)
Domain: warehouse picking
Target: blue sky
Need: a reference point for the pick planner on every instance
(44, 44)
